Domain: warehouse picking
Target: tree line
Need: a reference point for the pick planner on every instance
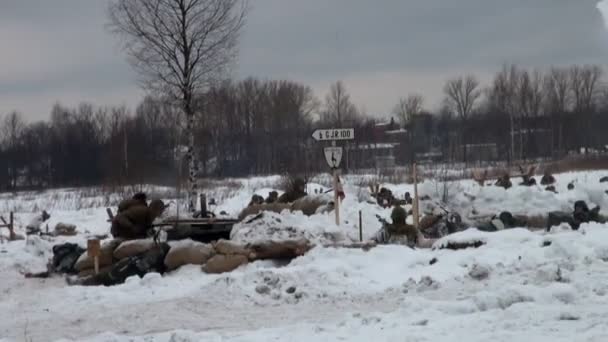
(258, 126)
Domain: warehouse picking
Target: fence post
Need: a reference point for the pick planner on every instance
(360, 226)
(11, 227)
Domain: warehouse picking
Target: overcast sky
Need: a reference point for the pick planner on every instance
(59, 50)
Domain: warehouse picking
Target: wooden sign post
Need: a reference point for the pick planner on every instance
(416, 201)
(333, 157)
(360, 226)
(93, 250)
(336, 197)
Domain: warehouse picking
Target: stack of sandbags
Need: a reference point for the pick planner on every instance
(131, 248)
(228, 257)
(188, 252)
(106, 257)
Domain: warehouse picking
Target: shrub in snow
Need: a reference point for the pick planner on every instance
(427, 283)
(479, 272)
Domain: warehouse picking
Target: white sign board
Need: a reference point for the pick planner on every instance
(333, 156)
(334, 134)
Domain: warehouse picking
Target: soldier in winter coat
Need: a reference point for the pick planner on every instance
(136, 221)
(139, 199)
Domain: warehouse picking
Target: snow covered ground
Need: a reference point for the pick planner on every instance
(520, 285)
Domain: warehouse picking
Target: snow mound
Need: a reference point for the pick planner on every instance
(287, 226)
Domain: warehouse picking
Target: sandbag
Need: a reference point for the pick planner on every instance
(106, 256)
(229, 248)
(188, 252)
(133, 247)
(532, 222)
(224, 263)
(280, 250)
(428, 221)
(258, 208)
(65, 229)
(308, 205)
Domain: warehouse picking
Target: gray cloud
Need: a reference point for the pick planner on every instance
(59, 50)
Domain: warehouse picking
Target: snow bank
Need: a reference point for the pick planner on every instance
(519, 285)
(287, 226)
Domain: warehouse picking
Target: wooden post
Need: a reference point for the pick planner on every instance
(360, 226)
(93, 250)
(336, 198)
(11, 227)
(416, 201)
(203, 199)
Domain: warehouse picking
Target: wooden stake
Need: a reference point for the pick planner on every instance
(93, 250)
(11, 227)
(203, 200)
(360, 226)
(336, 198)
(416, 202)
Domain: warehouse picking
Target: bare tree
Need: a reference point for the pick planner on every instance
(461, 95)
(11, 131)
(179, 47)
(338, 107)
(408, 107)
(584, 82)
(557, 101)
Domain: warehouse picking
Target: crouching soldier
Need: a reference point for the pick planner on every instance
(136, 222)
(139, 199)
(35, 225)
(273, 196)
(397, 232)
(256, 200)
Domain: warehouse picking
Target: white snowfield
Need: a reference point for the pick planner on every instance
(518, 286)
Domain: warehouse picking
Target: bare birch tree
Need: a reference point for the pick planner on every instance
(180, 48)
